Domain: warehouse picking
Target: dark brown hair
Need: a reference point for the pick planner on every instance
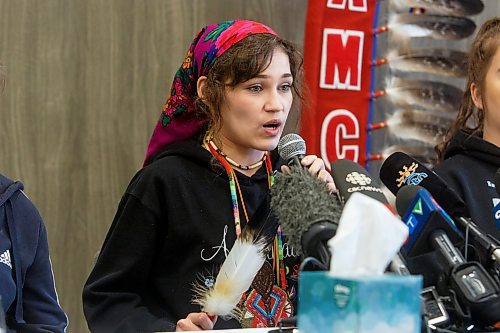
(483, 48)
(242, 62)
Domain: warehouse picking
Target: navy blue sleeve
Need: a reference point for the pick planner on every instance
(41, 309)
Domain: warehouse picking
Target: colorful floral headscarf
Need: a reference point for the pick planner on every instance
(177, 121)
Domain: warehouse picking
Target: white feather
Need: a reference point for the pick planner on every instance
(424, 126)
(401, 96)
(403, 30)
(235, 277)
(397, 96)
(443, 62)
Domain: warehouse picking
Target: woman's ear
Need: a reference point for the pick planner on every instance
(476, 96)
(200, 87)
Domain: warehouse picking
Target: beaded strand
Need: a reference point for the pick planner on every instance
(234, 186)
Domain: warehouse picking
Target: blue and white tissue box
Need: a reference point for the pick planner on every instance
(378, 304)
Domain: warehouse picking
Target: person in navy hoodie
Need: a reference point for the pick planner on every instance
(470, 153)
(27, 290)
(28, 295)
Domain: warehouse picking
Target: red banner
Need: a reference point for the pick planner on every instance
(337, 63)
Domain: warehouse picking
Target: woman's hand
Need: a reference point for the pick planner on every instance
(196, 321)
(316, 166)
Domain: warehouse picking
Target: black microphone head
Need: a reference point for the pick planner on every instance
(350, 177)
(497, 181)
(300, 200)
(423, 216)
(399, 170)
(405, 197)
(290, 146)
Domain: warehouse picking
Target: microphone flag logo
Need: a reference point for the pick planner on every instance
(342, 294)
(409, 176)
(357, 178)
(418, 208)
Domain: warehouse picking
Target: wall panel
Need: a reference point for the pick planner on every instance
(86, 80)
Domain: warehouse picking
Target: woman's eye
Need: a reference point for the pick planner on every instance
(255, 88)
(286, 87)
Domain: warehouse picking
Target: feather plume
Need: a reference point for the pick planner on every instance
(233, 279)
(440, 27)
(439, 7)
(424, 153)
(238, 271)
(443, 62)
(410, 124)
(429, 95)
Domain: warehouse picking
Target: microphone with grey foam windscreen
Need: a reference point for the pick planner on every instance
(307, 211)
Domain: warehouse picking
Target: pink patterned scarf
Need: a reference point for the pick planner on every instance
(178, 121)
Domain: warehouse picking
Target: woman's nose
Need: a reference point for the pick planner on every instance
(274, 102)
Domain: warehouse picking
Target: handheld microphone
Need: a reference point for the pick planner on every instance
(432, 303)
(292, 148)
(308, 213)
(399, 170)
(429, 227)
(424, 217)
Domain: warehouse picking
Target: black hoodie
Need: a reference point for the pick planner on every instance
(469, 168)
(174, 224)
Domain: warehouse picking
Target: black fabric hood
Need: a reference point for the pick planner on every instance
(473, 145)
(187, 149)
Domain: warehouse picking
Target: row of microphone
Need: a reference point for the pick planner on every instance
(437, 219)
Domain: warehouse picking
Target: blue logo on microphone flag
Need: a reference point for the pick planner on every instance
(376, 304)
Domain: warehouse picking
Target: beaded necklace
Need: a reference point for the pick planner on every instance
(234, 163)
(235, 190)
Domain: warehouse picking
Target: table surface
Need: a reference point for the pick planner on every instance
(236, 330)
(246, 330)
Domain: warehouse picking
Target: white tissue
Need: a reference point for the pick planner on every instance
(367, 238)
